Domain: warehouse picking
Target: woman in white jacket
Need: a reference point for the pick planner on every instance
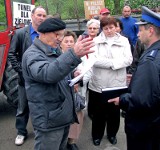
(112, 55)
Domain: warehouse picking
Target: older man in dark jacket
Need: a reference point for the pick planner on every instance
(46, 72)
(21, 40)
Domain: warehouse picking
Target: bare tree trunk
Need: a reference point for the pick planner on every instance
(117, 7)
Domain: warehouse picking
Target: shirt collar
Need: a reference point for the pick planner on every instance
(52, 49)
(32, 30)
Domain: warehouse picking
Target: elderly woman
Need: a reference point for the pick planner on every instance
(75, 129)
(93, 28)
(112, 55)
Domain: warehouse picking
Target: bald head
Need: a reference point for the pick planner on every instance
(126, 12)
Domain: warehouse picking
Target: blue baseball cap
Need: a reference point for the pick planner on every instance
(148, 16)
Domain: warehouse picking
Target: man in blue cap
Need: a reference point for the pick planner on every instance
(142, 102)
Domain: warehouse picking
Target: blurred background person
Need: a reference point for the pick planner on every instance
(130, 29)
(112, 55)
(119, 29)
(93, 29)
(158, 9)
(104, 12)
(68, 42)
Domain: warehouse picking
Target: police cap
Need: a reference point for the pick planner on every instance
(148, 16)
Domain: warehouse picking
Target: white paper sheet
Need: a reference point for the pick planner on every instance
(88, 64)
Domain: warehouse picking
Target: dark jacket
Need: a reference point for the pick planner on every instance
(46, 75)
(142, 103)
(19, 44)
(138, 51)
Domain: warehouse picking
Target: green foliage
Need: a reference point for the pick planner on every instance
(1, 2)
(70, 9)
(2, 16)
(2, 13)
(137, 4)
(110, 5)
(67, 9)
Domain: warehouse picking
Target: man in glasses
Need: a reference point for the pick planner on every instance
(21, 40)
(46, 72)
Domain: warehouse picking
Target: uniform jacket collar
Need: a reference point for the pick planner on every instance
(154, 46)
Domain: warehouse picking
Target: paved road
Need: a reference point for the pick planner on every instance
(8, 133)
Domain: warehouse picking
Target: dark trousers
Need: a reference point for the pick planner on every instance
(51, 140)
(104, 114)
(149, 140)
(22, 112)
(90, 105)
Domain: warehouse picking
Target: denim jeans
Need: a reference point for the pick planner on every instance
(22, 115)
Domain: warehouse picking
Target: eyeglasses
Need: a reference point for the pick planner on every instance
(90, 28)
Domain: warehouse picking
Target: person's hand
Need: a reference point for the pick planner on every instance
(82, 46)
(77, 73)
(129, 76)
(76, 88)
(114, 100)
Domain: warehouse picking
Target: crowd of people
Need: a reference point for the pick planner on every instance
(122, 51)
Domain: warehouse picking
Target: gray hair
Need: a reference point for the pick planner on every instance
(97, 22)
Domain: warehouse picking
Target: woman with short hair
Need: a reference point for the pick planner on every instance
(68, 42)
(112, 55)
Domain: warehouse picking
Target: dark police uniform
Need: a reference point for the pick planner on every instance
(142, 103)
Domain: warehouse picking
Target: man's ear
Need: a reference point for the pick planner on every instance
(151, 30)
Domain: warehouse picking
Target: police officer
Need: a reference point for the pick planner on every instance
(142, 102)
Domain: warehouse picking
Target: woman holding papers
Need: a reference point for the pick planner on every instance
(75, 129)
(112, 55)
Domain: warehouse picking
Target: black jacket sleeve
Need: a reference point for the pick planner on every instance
(144, 97)
(15, 52)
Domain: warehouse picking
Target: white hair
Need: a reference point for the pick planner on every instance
(97, 22)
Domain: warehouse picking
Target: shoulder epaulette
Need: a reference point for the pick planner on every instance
(152, 54)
